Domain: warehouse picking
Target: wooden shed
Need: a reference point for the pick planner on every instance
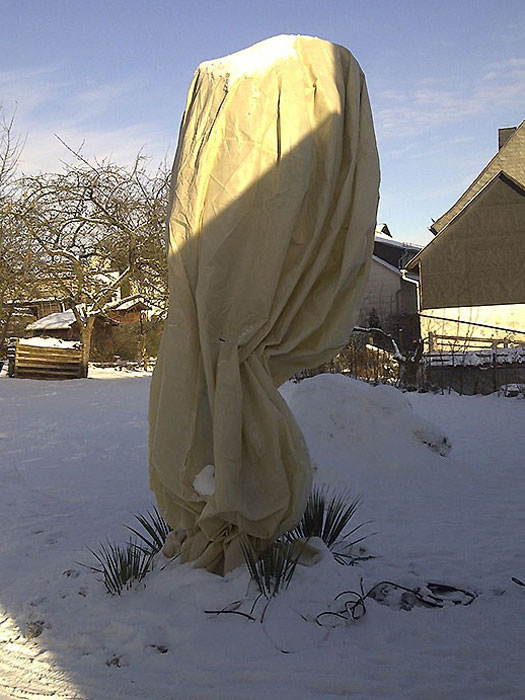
(41, 358)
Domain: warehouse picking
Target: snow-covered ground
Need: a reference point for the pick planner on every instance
(73, 472)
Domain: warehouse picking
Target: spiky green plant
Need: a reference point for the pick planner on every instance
(121, 566)
(327, 515)
(154, 530)
(272, 568)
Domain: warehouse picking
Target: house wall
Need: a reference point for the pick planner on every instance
(387, 293)
(40, 307)
(479, 259)
(407, 297)
(61, 333)
(461, 325)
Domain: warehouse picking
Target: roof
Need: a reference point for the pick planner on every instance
(56, 321)
(400, 273)
(383, 230)
(498, 177)
(36, 300)
(127, 303)
(65, 319)
(510, 158)
(397, 244)
(42, 341)
(383, 235)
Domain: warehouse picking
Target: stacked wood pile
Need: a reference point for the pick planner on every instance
(43, 362)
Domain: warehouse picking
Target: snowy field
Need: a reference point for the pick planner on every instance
(73, 472)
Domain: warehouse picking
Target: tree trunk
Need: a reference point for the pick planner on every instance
(5, 328)
(412, 370)
(411, 374)
(86, 332)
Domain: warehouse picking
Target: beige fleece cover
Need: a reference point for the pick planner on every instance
(271, 220)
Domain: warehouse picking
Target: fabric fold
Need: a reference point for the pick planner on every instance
(272, 213)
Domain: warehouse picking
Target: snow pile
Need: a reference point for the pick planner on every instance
(456, 519)
(119, 371)
(359, 422)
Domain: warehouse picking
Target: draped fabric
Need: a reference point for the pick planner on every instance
(271, 220)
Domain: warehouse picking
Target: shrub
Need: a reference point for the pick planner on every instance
(327, 515)
(155, 530)
(271, 569)
(121, 566)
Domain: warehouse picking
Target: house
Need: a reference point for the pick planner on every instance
(471, 275)
(63, 325)
(116, 331)
(390, 293)
(41, 297)
(39, 307)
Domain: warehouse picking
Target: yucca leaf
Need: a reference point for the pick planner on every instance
(121, 566)
(327, 515)
(272, 568)
(156, 529)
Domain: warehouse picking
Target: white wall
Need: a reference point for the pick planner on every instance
(380, 293)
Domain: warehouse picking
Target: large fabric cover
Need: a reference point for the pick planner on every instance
(271, 219)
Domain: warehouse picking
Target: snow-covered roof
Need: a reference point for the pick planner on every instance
(34, 300)
(383, 231)
(43, 342)
(387, 240)
(61, 320)
(383, 235)
(126, 303)
(388, 266)
(108, 277)
(56, 321)
(400, 273)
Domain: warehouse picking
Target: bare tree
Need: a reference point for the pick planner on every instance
(97, 228)
(16, 259)
(410, 367)
(11, 145)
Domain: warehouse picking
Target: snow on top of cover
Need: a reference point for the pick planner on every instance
(255, 59)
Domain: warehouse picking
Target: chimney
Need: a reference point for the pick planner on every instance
(504, 135)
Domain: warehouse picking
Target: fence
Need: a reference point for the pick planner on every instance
(492, 365)
(437, 344)
(360, 360)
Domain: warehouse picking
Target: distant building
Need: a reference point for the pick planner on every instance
(117, 317)
(390, 292)
(472, 274)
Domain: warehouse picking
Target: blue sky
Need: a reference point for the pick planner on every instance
(442, 77)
